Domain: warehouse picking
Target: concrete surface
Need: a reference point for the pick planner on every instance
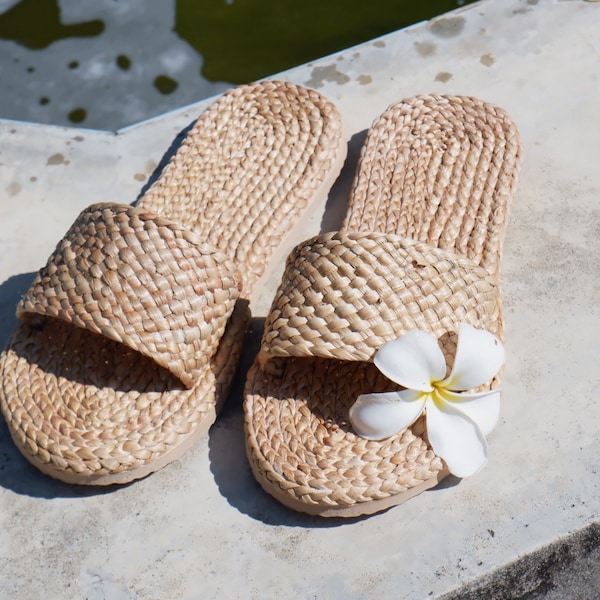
(202, 528)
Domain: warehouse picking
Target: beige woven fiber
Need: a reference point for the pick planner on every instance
(129, 337)
(420, 248)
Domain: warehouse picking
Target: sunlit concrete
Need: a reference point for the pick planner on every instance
(201, 527)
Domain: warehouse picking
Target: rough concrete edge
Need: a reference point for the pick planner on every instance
(15, 123)
(534, 576)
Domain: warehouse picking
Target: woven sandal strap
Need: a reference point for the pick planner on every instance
(141, 280)
(345, 294)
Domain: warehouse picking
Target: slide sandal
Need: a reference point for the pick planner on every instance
(343, 403)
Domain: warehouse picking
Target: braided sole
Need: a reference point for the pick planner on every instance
(440, 171)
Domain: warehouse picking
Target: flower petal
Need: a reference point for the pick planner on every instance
(455, 438)
(479, 356)
(413, 360)
(483, 407)
(377, 416)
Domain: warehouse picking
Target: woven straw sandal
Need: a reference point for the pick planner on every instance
(420, 248)
(128, 338)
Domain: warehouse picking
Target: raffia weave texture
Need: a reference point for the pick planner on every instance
(129, 336)
(342, 296)
(420, 248)
(260, 158)
(142, 281)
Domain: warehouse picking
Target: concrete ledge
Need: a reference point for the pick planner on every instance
(202, 527)
(568, 568)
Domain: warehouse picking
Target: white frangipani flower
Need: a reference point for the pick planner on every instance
(457, 422)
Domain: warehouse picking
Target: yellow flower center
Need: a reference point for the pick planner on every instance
(439, 393)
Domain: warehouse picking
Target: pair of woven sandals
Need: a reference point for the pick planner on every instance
(129, 337)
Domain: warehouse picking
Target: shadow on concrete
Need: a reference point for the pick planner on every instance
(10, 294)
(339, 195)
(164, 161)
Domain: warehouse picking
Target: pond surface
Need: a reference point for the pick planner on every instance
(109, 63)
(243, 40)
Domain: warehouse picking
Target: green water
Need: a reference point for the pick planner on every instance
(241, 40)
(36, 24)
(244, 40)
